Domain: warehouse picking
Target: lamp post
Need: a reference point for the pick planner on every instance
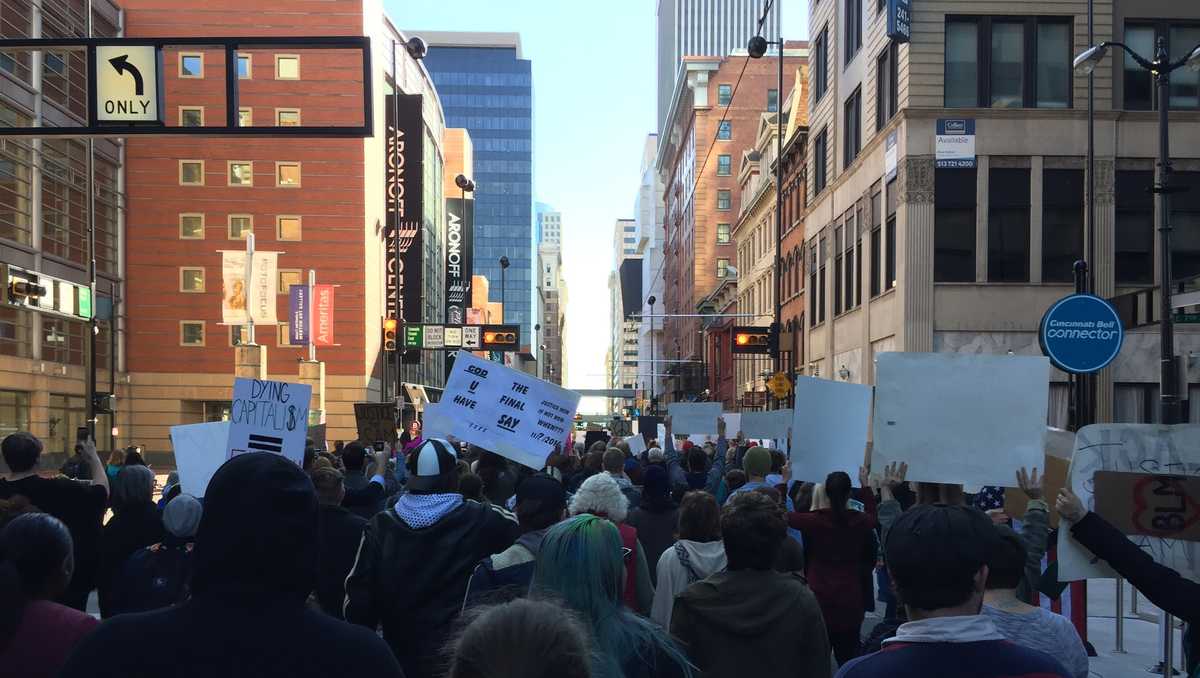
(757, 49)
(653, 362)
(503, 304)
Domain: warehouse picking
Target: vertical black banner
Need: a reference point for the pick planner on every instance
(404, 209)
(460, 215)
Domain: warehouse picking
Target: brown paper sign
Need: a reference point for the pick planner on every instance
(1055, 478)
(376, 421)
(1148, 504)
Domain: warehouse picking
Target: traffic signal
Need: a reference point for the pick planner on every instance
(501, 337)
(389, 335)
(751, 340)
(104, 403)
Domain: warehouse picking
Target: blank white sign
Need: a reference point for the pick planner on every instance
(961, 418)
(772, 424)
(688, 418)
(199, 449)
(829, 428)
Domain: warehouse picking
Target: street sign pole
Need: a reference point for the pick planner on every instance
(308, 317)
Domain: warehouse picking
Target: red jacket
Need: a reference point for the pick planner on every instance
(835, 558)
(629, 540)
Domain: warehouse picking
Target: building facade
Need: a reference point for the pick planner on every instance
(44, 218)
(486, 87)
(791, 339)
(625, 297)
(552, 295)
(966, 254)
(648, 216)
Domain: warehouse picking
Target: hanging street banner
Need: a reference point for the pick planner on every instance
(298, 318)
(403, 213)
(459, 242)
(511, 413)
(1081, 334)
(322, 315)
(127, 78)
(954, 143)
(269, 416)
(259, 296)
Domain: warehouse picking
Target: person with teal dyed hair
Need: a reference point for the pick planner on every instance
(582, 563)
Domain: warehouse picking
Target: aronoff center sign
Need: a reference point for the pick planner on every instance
(1081, 334)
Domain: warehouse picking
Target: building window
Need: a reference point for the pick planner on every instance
(191, 65)
(245, 117)
(822, 256)
(244, 69)
(724, 200)
(287, 117)
(772, 100)
(724, 165)
(191, 116)
(1142, 36)
(284, 338)
(287, 228)
(55, 64)
(725, 130)
(887, 81)
(854, 279)
(1185, 222)
(812, 285)
(191, 332)
(724, 95)
(722, 268)
(1008, 225)
(722, 234)
(191, 172)
(191, 279)
(289, 277)
(1139, 84)
(821, 65)
(287, 66)
(14, 412)
(239, 335)
(876, 242)
(854, 28)
(953, 225)
(838, 265)
(1062, 224)
(287, 174)
(240, 225)
(1134, 228)
(241, 173)
(853, 128)
(191, 226)
(1025, 62)
(820, 160)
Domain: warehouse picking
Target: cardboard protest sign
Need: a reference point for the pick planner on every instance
(376, 421)
(199, 449)
(773, 424)
(960, 418)
(733, 423)
(689, 418)
(829, 427)
(1130, 448)
(592, 437)
(648, 426)
(1059, 446)
(1149, 504)
(269, 416)
(506, 411)
(317, 434)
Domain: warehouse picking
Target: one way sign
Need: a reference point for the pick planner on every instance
(127, 84)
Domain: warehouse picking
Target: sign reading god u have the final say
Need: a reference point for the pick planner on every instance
(127, 84)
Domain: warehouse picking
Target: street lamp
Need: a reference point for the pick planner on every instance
(503, 304)
(653, 362)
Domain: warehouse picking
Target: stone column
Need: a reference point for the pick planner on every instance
(1104, 268)
(914, 254)
(250, 362)
(313, 373)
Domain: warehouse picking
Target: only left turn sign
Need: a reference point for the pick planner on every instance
(127, 84)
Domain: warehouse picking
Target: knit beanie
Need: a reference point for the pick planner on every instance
(181, 516)
(757, 462)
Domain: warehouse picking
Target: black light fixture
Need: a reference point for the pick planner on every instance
(464, 183)
(416, 47)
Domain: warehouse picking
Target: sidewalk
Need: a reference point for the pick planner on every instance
(1141, 637)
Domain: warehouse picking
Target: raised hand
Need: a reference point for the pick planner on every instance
(1029, 483)
(1070, 507)
(894, 474)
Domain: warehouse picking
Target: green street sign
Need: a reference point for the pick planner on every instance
(85, 302)
(1187, 318)
(413, 336)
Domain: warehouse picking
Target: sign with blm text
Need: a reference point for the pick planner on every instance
(504, 410)
(1149, 504)
(269, 416)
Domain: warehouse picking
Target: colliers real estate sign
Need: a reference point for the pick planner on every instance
(404, 210)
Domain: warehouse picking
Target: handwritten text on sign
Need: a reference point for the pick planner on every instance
(503, 410)
(1146, 504)
(269, 416)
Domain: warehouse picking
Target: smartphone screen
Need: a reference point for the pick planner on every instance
(378, 445)
(82, 434)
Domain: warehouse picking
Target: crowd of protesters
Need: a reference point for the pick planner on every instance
(443, 559)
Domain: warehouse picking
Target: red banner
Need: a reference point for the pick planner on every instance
(322, 315)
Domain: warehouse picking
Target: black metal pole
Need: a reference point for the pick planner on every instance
(1079, 382)
(113, 324)
(653, 362)
(503, 306)
(779, 214)
(1168, 382)
(1088, 412)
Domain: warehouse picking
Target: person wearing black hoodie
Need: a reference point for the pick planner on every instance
(656, 517)
(339, 531)
(255, 565)
(136, 524)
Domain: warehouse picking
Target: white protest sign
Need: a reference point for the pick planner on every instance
(687, 418)
(829, 428)
(504, 410)
(699, 439)
(199, 449)
(773, 424)
(637, 444)
(960, 418)
(733, 423)
(269, 416)
(661, 434)
(1130, 448)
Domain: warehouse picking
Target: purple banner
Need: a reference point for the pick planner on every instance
(298, 315)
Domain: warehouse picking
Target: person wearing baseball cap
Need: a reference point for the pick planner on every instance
(416, 558)
(938, 557)
(541, 503)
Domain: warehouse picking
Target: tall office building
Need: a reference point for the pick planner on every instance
(551, 297)
(625, 299)
(487, 88)
(704, 28)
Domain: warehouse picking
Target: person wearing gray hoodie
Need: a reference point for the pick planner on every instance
(697, 555)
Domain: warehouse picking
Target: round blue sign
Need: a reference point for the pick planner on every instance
(1081, 334)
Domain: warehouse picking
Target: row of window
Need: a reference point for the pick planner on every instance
(725, 97)
(193, 116)
(287, 66)
(191, 226)
(239, 173)
(195, 333)
(852, 244)
(193, 279)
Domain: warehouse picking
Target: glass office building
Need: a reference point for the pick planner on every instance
(486, 87)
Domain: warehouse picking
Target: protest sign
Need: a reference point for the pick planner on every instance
(317, 435)
(688, 418)
(592, 437)
(1130, 448)
(1059, 446)
(269, 416)
(773, 424)
(1149, 504)
(960, 418)
(660, 433)
(376, 421)
(733, 423)
(647, 426)
(637, 445)
(830, 425)
(199, 449)
(700, 439)
(506, 411)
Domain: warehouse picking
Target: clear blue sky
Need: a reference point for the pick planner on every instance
(594, 104)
